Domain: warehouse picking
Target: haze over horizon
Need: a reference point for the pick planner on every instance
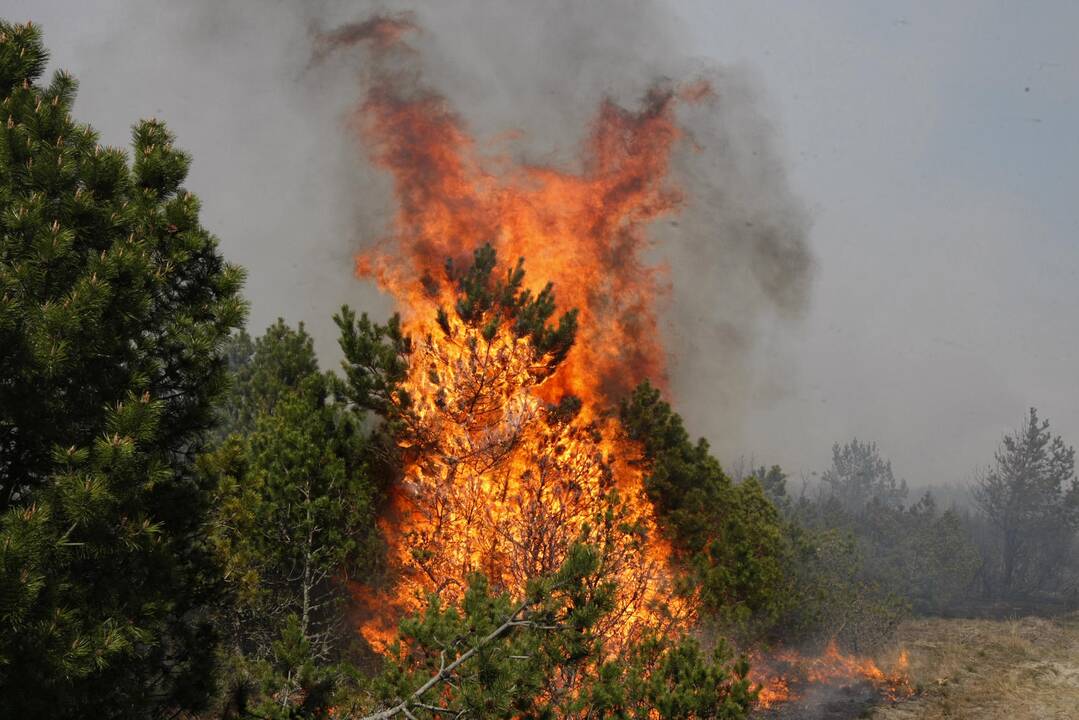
(937, 174)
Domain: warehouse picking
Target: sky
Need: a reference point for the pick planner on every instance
(934, 147)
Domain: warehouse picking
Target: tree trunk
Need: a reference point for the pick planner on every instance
(305, 617)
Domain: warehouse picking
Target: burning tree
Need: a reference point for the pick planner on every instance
(500, 424)
(522, 546)
(494, 478)
(509, 459)
(543, 657)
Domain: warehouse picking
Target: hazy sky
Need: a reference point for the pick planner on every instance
(935, 146)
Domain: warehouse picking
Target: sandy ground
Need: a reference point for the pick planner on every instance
(1023, 669)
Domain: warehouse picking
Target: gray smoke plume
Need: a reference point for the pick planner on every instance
(292, 195)
(737, 251)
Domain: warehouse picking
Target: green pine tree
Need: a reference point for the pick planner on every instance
(114, 305)
(1029, 498)
(293, 522)
(262, 371)
(729, 536)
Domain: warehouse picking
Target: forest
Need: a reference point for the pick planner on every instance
(486, 511)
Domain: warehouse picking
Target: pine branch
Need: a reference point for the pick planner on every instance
(446, 670)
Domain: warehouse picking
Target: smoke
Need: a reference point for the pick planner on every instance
(526, 80)
(293, 199)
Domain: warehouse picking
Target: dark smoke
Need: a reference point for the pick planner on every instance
(379, 29)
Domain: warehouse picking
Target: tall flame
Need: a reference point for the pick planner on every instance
(496, 477)
(584, 231)
(501, 475)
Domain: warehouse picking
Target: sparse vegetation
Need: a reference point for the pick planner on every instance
(1019, 669)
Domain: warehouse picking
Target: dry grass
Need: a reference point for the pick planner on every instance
(1025, 669)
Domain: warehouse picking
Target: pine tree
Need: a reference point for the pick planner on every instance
(293, 522)
(114, 304)
(262, 371)
(1030, 497)
(937, 558)
(773, 482)
(859, 476)
(728, 535)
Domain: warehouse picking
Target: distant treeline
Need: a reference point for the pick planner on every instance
(1005, 544)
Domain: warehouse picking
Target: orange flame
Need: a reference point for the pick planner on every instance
(583, 231)
(494, 479)
(498, 481)
(775, 675)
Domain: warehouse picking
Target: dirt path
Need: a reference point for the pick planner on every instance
(1026, 669)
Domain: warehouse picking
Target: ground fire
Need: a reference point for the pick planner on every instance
(510, 452)
(783, 676)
